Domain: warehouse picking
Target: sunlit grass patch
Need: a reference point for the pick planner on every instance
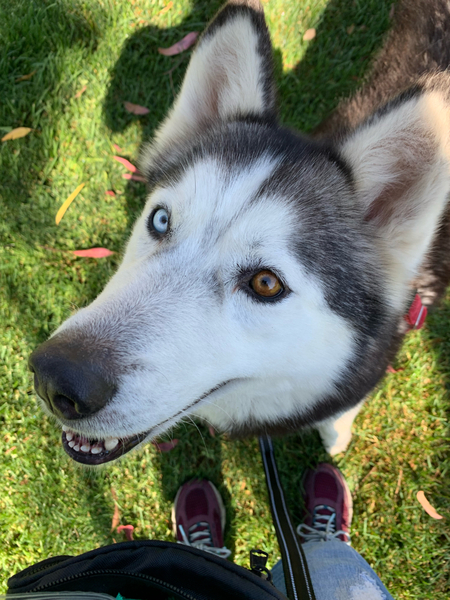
(88, 58)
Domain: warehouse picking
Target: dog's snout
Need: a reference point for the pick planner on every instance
(69, 381)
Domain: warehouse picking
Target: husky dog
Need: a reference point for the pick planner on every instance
(264, 286)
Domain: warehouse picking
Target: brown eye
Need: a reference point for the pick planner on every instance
(266, 284)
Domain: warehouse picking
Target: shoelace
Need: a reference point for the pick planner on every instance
(323, 527)
(202, 539)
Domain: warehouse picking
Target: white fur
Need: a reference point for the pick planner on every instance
(285, 356)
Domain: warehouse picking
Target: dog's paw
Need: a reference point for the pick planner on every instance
(334, 439)
(339, 446)
(336, 432)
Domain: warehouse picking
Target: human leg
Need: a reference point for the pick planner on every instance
(337, 571)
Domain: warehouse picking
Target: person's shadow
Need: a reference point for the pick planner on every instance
(333, 66)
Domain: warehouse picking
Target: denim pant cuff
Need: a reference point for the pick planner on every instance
(337, 572)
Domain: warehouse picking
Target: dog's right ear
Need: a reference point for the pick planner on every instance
(230, 74)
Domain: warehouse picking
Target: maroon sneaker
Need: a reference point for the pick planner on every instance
(198, 517)
(328, 505)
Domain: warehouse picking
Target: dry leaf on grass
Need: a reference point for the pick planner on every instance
(116, 515)
(427, 506)
(185, 43)
(399, 481)
(165, 446)
(166, 8)
(128, 530)
(110, 193)
(83, 89)
(309, 35)
(136, 109)
(93, 252)
(65, 205)
(16, 133)
(351, 29)
(26, 77)
(134, 177)
(126, 163)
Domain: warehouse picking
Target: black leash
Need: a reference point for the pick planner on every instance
(295, 567)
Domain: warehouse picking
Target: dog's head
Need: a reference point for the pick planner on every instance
(264, 279)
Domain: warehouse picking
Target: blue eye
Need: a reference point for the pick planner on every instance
(160, 220)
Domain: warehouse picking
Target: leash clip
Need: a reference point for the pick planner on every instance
(258, 561)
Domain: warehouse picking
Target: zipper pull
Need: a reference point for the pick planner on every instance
(258, 561)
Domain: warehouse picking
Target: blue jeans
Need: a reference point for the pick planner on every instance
(337, 572)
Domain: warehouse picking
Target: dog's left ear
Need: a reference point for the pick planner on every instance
(400, 161)
(230, 74)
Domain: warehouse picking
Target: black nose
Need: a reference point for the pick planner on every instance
(69, 379)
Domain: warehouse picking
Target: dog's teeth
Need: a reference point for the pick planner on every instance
(71, 444)
(64, 428)
(69, 436)
(85, 448)
(76, 448)
(96, 450)
(111, 443)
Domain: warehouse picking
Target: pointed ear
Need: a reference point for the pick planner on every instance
(230, 74)
(401, 166)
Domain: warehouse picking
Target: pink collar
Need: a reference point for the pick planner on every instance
(416, 314)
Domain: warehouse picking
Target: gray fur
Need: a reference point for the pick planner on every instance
(416, 48)
(337, 235)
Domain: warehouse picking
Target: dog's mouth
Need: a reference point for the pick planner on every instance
(98, 451)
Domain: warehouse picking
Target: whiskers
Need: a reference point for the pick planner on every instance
(187, 419)
(198, 429)
(212, 403)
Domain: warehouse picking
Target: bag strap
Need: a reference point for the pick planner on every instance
(295, 567)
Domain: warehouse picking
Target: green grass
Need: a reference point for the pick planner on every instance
(47, 504)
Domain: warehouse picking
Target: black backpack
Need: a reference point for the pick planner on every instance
(145, 569)
(153, 570)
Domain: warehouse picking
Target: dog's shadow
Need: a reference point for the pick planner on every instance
(334, 66)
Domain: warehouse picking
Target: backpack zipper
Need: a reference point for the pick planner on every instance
(164, 584)
(33, 570)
